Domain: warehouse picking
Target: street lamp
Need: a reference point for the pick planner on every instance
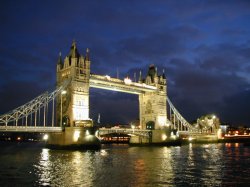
(63, 92)
(133, 127)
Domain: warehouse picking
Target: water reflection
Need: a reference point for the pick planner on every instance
(120, 165)
(44, 168)
(166, 173)
(82, 169)
(140, 171)
(64, 168)
(103, 153)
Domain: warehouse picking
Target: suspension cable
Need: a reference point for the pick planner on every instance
(32, 106)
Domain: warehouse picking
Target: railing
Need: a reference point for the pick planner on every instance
(137, 132)
(30, 129)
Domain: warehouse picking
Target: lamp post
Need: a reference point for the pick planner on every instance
(62, 93)
(133, 127)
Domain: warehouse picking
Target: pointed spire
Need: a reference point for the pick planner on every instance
(117, 73)
(73, 51)
(140, 77)
(60, 59)
(163, 74)
(156, 72)
(74, 44)
(87, 55)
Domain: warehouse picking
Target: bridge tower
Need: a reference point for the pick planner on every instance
(75, 103)
(153, 105)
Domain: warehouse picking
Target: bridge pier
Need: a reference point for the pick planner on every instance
(157, 137)
(140, 140)
(74, 137)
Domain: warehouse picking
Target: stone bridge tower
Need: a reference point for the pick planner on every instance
(75, 103)
(153, 105)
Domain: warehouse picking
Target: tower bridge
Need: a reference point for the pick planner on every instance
(65, 111)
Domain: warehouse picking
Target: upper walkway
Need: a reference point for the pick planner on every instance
(126, 85)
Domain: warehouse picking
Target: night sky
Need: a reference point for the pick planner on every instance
(204, 47)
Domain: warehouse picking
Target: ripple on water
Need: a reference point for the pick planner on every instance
(121, 165)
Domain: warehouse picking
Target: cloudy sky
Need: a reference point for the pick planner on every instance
(204, 47)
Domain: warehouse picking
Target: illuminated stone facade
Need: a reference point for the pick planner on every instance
(152, 92)
(153, 105)
(75, 103)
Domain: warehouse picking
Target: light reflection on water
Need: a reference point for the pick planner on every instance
(121, 165)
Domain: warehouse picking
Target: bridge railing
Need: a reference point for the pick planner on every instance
(137, 132)
(30, 129)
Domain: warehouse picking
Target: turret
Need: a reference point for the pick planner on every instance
(164, 79)
(77, 68)
(59, 62)
(156, 79)
(73, 51)
(140, 78)
(87, 58)
(151, 74)
(163, 74)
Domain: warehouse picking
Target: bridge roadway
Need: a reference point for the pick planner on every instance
(29, 129)
(102, 131)
(127, 86)
(136, 132)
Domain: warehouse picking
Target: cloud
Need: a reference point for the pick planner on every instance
(224, 58)
(236, 108)
(203, 46)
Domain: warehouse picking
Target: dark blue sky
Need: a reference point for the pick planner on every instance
(204, 47)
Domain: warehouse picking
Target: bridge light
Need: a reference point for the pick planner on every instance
(164, 137)
(96, 133)
(76, 136)
(63, 92)
(162, 120)
(172, 135)
(219, 133)
(107, 77)
(177, 134)
(45, 137)
(190, 139)
(133, 127)
(87, 132)
(127, 81)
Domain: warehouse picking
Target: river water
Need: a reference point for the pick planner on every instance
(28, 164)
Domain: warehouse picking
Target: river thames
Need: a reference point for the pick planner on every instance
(28, 164)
